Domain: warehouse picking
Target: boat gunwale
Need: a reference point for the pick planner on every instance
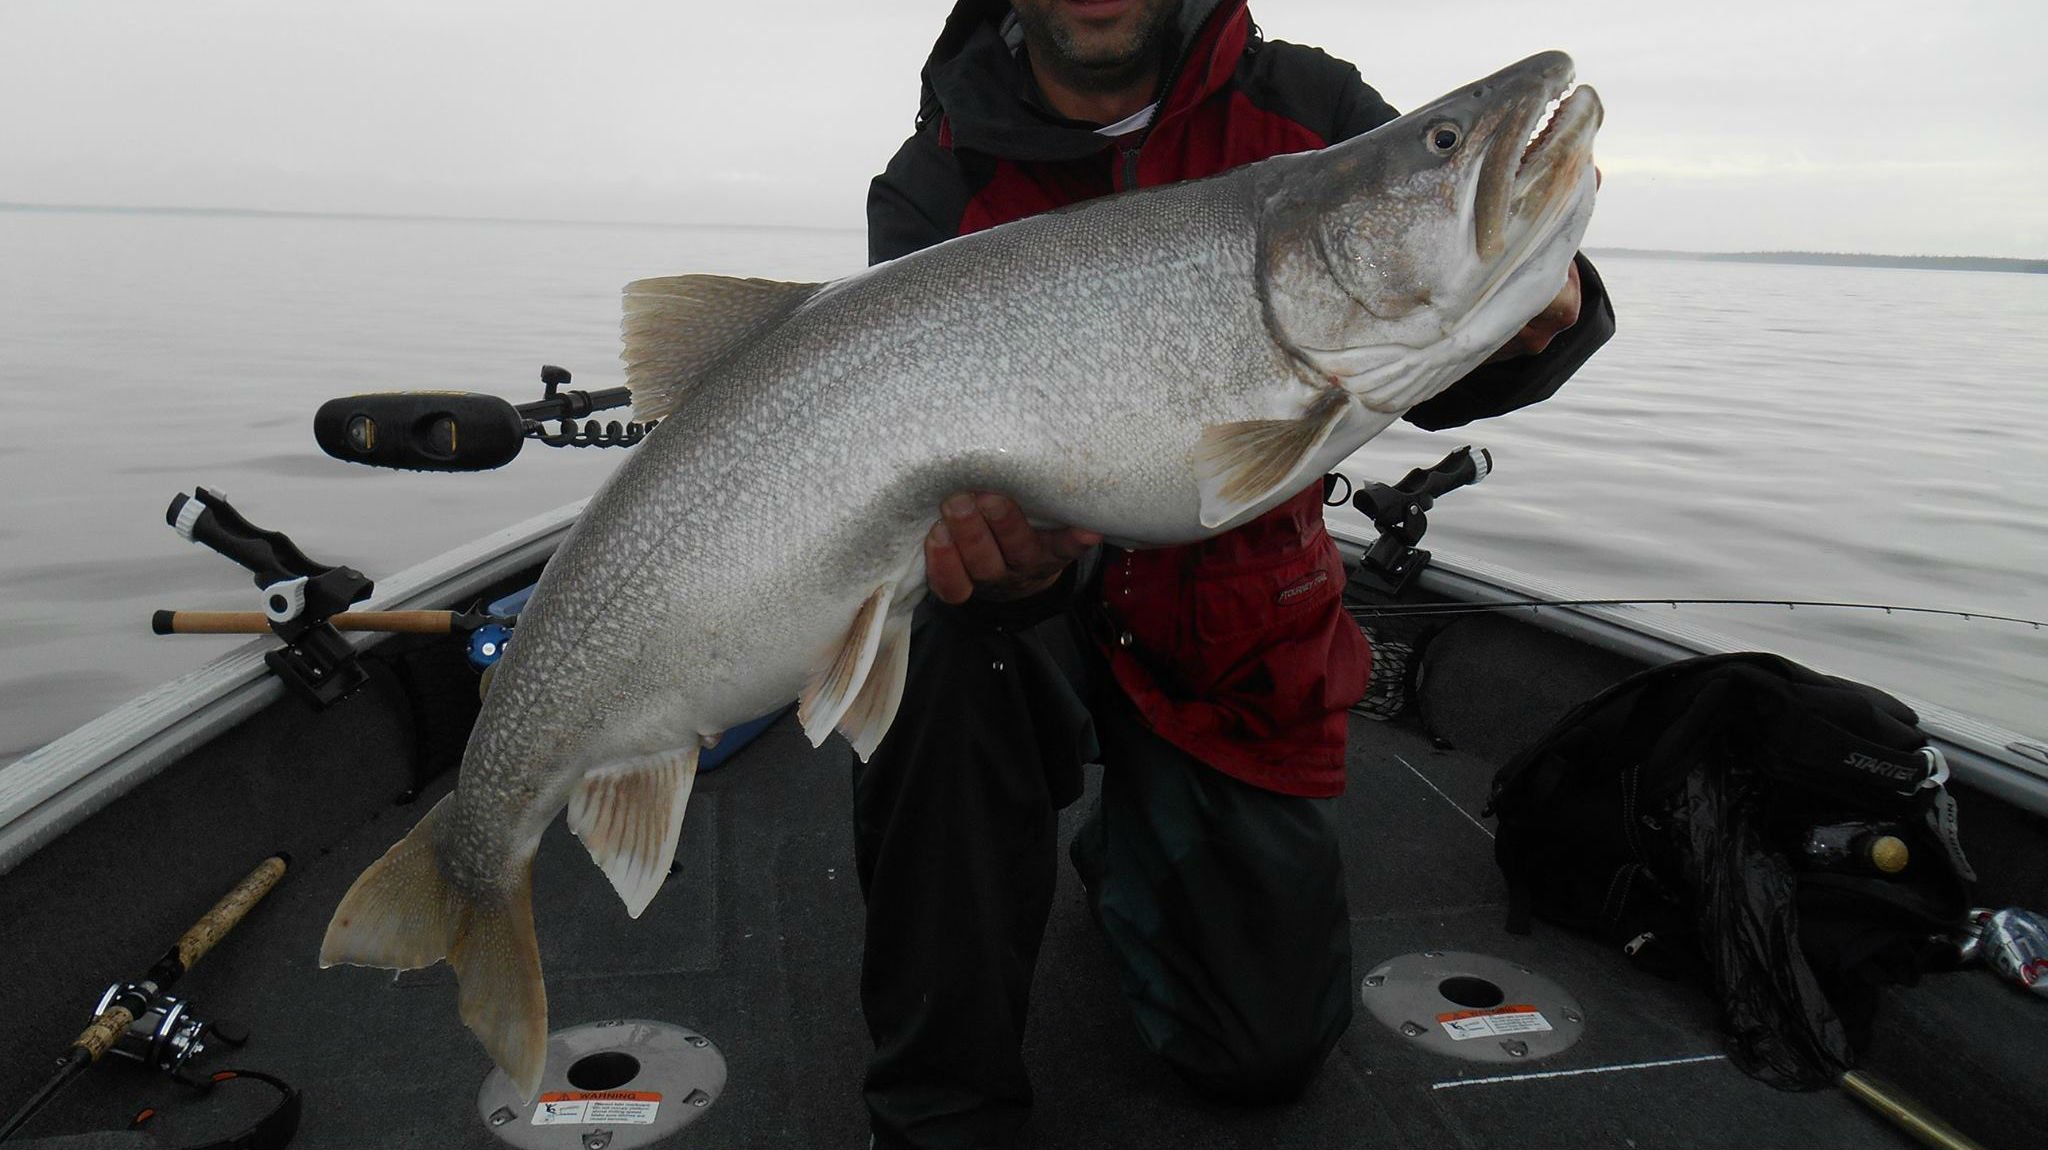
(58, 785)
(53, 788)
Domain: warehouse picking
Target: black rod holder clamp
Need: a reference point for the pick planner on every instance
(299, 595)
(1400, 512)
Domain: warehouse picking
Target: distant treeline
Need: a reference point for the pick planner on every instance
(1840, 259)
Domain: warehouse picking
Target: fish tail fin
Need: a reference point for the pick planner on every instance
(403, 913)
(504, 1003)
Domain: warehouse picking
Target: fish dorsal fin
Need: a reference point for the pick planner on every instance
(678, 326)
(629, 815)
(1237, 465)
(838, 680)
(874, 709)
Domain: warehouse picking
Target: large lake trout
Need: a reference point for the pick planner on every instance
(1158, 366)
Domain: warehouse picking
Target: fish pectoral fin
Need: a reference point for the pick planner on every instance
(629, 815)
(677, 326)
(836, 683)
(1238, 465)
(402, 913)
(874, 709)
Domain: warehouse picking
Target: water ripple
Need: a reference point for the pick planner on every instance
(1751, 431)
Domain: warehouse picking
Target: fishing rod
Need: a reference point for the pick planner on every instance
(1399, 511)
(141, 1019)
(1401, 609)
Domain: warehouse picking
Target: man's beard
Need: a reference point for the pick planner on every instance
(1099, 66)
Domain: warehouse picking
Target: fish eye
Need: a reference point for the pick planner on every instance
(1444, 137)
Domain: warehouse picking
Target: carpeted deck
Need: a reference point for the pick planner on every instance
(756, 945)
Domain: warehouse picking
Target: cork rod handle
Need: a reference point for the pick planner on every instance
(254, 623)
(216, 923)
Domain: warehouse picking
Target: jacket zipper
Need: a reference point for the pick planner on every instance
(1130, 154)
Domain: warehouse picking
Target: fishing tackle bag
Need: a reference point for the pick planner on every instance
(1674, 815)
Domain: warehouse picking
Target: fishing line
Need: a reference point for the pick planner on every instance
(1789, 604)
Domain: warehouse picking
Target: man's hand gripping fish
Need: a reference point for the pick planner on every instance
(1158, 366)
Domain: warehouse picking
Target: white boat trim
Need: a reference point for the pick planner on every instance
(53, 788)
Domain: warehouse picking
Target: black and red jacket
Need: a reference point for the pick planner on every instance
(1236, 649)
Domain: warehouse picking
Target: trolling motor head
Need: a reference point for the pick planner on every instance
(464, 431)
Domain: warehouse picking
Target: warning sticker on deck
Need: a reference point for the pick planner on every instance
(1464, 1024)
(628, 1107)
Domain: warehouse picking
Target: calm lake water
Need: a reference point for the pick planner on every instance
(1753, 431)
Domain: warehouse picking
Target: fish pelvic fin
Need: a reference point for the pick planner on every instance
(837, 683)
(874, 709)
(629, 815)
(677, 327)
(402, 913)
(1238, 465)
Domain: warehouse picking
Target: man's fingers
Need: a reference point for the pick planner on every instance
(977, 547)
(985, 545)
(1553, 320)
(1566, 306)
(1561, 313)
(942, 568)
(1069, 543)
(1563, 310)
(1014, 534)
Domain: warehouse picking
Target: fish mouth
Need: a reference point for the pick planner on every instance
(1542, 147)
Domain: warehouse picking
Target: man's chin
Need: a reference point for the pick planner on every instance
(1099, 42)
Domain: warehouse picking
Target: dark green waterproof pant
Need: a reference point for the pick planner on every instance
(1223, 904)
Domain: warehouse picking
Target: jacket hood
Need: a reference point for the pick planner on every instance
(977, 86)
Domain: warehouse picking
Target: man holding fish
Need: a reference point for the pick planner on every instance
(1215, 677)
(1173, 368)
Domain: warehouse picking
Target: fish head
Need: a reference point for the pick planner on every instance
(1396, 261)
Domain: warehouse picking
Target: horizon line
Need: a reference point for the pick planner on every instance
(728, 225)
(416, 217)
(1815, 254)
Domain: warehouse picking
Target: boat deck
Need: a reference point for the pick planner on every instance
(756, 944)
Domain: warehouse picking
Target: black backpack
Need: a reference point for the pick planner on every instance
(1674, 816)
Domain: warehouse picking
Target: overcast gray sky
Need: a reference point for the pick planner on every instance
(1904, 126)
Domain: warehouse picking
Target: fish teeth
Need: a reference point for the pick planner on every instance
(1543, 123)
(1549, 113)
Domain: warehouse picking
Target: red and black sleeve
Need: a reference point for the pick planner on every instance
(920, 199)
